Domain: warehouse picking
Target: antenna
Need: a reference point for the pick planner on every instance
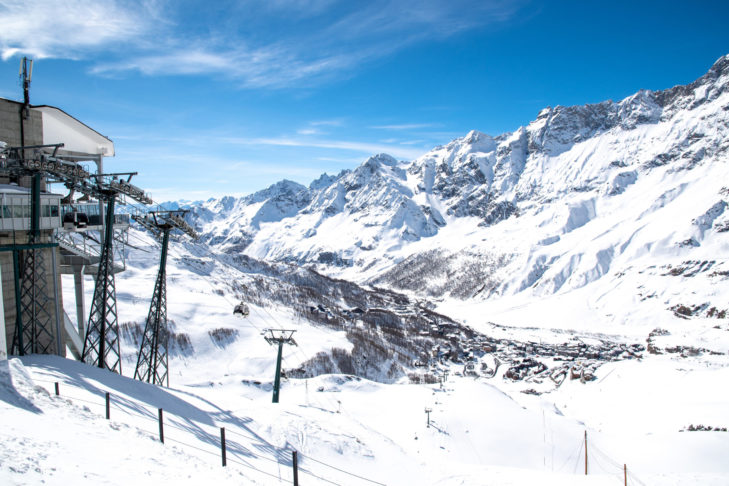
(26, 73)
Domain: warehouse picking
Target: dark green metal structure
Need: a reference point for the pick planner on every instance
(153, 359)
(152, 362)
(34, 326)
(280, 337)
(101, 344)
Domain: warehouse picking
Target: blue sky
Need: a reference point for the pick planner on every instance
(214, 98)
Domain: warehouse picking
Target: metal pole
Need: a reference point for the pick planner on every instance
(277, 379)
(18, 310)
(295, 462)
(78, 280)
(108, 406)
(585, 453)
(58, 392)
(222, 445)
(59, 341)
(35, 207)
(100, 170)
(161, 427)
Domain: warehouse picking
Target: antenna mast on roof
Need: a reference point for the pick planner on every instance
(26, 74)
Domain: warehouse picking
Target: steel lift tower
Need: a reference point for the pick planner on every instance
(101, 344)
(152, 362)
(280, 337)
(35, 332)
(34, 326)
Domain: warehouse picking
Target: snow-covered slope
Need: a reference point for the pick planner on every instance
(351, 431)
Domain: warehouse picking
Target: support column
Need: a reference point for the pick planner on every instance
(18, 344)
(60, 333)
(100, 170)
(3, 338)
(277, 380)
(279, 337)
(78, 281)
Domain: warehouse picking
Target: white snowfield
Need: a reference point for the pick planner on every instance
(347, 430)
(479, 435)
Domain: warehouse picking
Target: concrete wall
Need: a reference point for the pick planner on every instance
(10, 125)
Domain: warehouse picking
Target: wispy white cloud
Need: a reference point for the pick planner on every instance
(406, 126)
(365, 148)
(53, 29)
(327, 123)
(320, 127)
(273, 43)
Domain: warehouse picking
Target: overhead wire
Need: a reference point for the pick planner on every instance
(579, 452)
(622, 468)
(569, 458)
(117, 405)
(193, 248)
(188, 431)
(342, 470)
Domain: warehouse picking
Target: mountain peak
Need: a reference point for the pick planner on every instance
(721, 66)
(324, 181)
(474, 136)
(384, 159)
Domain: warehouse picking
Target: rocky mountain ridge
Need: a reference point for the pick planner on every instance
(578, 194)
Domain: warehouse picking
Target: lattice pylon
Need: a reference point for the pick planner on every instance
(152, 362)
(101, 345)
(38, 332)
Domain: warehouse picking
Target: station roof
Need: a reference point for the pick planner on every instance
(77, 137)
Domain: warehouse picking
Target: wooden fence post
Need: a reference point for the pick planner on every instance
(295, 462)
(222, 445)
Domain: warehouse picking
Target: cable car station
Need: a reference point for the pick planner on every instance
(44, 234)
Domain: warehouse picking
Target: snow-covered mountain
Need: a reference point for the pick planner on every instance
(581, 193)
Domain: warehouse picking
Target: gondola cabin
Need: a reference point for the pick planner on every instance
(241, 310)
(75, 220)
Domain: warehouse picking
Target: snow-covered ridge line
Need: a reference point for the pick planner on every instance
(570, 198)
